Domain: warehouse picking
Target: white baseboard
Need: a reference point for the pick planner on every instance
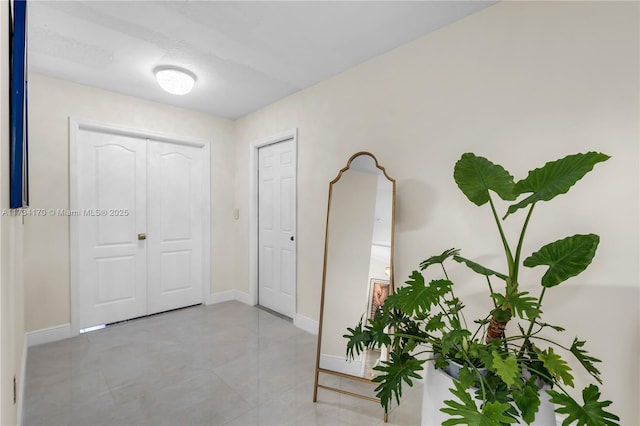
(60, 332)
(227, 295)
(307, 324)
(304, 323)
(243, 297)
(340, 364)
(221, 296)
(47, 335)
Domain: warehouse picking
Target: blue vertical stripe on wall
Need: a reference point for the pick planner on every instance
(18, 194)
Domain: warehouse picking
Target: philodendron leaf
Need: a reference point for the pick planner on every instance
(556, 366)
(517, 302)
(475, 176)
(555, 178)
(417, 296)
(507, 368)
(466, 377)
(479, 269)
(435, 323)
(454, 338)
(400, 368)
(358, 339)
(585, 359)
(591, 413)
(377, 330)
(439, 259)
(466, 412)
(527, 400)
(566, 258)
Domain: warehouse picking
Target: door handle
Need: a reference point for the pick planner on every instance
(292, 238)
(142, 236)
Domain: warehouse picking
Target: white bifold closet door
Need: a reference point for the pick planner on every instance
(139, 227)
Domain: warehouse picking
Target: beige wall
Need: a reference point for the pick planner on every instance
(47, 260)
(11, 279)
(520, 83)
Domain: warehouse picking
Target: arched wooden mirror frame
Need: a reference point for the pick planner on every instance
(319, 369)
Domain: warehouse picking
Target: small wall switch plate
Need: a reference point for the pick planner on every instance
(236, 214)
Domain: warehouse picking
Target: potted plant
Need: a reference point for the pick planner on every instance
(505, 366)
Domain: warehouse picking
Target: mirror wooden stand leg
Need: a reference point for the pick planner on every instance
(317, 386)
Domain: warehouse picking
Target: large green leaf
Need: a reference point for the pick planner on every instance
(566, 258)
(466, 411)
(357, 339)
(454, 338)
(555, 178)
(585, 359)
(475, 176)
(591, 413)
(495, 389)
(556, 366)
(439, 259)
(519, 302)
(507, 368)
(378, 332)
(418, 297)
(479, 269)
(527, 400)
(435, 323)
(466, 377)
(401, 368)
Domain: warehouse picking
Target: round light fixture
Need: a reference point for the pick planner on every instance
(176, 81)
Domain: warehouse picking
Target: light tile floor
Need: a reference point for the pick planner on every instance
(224, 364)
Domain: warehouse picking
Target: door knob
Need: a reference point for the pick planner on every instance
(292, 238)
(142, 236)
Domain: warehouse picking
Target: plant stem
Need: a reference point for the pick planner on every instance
(458, 313)
(552, 342)
(516, 263)
(453, 296)
(480, 327)
(495, 305)
(507, 250)
(531, 324)
(445, 271)
(416, 338)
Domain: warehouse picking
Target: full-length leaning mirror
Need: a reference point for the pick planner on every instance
(358, 266)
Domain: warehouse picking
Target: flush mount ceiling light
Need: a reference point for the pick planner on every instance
(175, 80)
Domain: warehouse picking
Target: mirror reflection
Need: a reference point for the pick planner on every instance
(358, 261)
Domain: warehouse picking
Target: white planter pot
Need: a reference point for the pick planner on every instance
(436, 391)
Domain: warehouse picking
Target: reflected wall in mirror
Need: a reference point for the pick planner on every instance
(358, 264)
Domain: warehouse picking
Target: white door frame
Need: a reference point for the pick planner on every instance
(287, 135)
(77, 124)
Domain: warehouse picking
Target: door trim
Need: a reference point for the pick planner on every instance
(291, 134)
(77, 124)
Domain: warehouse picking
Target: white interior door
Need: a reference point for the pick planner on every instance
(111, 212)
(174, 236)
(276, 227)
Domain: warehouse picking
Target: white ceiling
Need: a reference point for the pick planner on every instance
(245, 54)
